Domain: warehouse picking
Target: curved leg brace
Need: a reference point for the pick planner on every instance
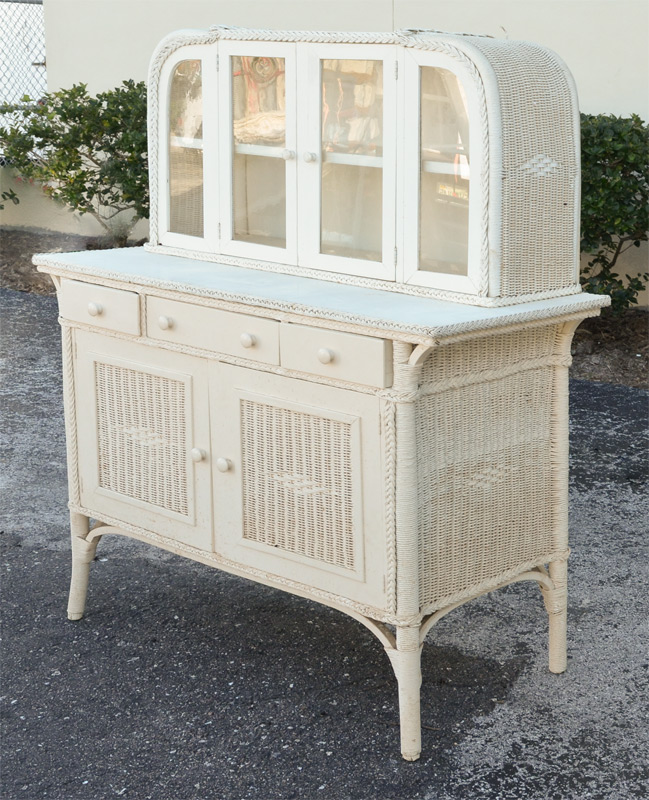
(556, 603)
(406, 663)
(83, 552)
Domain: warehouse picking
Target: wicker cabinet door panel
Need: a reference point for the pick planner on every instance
(143, 434)
(297, 484)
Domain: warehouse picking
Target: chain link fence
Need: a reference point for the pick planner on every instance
(22, 50)
(22, 53)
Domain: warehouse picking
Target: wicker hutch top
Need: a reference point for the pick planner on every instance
(419, 162)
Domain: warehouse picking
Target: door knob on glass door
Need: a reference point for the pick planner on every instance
(310, 157)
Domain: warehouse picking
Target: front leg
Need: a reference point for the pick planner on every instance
(406, 663)
(556, 603)
(83, 552)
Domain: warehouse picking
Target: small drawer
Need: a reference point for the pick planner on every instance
(111, 309)
(212, 329)
(345, 356)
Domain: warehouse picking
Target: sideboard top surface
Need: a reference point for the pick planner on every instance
(318, 299)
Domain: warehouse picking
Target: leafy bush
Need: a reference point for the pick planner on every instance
(89, 152)
(614, 202)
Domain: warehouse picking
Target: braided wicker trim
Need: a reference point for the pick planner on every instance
(69, 403)
(388, 421)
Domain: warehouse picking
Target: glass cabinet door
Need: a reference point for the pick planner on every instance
(347, 160)
(441, 170)
(188, 122)
(258, 149)
(186, 149)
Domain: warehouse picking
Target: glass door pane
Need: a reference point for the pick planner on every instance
(186, 149)
(445, 174)
(259, 150)
(352, 158)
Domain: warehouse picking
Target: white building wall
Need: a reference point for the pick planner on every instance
(605, 43)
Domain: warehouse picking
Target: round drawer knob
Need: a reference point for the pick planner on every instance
(288, 155)
(95, 309)
(248, 340)
(165, 323)
(198, 454)
(310, 157)
(223, 464)
(325, 356)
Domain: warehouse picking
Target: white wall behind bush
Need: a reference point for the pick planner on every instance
(604, 42)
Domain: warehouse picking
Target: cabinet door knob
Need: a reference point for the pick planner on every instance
(310, 157)
(223, 464)
(288, 155)
(325, 356)
(248, 340)
(165, 323)
(95, 309)
(198, 455)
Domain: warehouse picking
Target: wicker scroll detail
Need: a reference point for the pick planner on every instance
(298, 483)
(141, 422)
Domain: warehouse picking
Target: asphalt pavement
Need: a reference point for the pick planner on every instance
(184, 683)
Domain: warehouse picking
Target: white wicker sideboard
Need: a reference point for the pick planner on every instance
(340, 365)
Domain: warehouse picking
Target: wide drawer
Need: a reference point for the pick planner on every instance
(344, 356)
(111, 309)
(212, 329)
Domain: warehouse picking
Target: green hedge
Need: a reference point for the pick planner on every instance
(614, 202)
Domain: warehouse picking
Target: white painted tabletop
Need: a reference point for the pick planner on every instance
(385, 310)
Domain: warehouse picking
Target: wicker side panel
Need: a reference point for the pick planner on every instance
(540, 167)
(489, 353)
(484, 482)
(141, 422)
(298, 483)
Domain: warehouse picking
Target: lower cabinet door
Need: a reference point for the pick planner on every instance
(298, 483)
(143, 437)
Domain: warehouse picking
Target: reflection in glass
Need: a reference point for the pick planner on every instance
(352, 158)
(259, 137)
(445, 174)
(186, 149)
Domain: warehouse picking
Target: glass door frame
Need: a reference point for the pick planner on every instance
(209, 242)
(411, 176)
(310, 172)
(229, 245)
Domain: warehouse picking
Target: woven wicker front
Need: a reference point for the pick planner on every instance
(298, 483)
(141, 422)
(484, 466)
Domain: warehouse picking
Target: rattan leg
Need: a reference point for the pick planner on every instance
(83, 552)
(556, 602)
(406, 663)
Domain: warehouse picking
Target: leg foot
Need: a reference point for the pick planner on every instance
(406, 663)
(556, 603)
(83, 552)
